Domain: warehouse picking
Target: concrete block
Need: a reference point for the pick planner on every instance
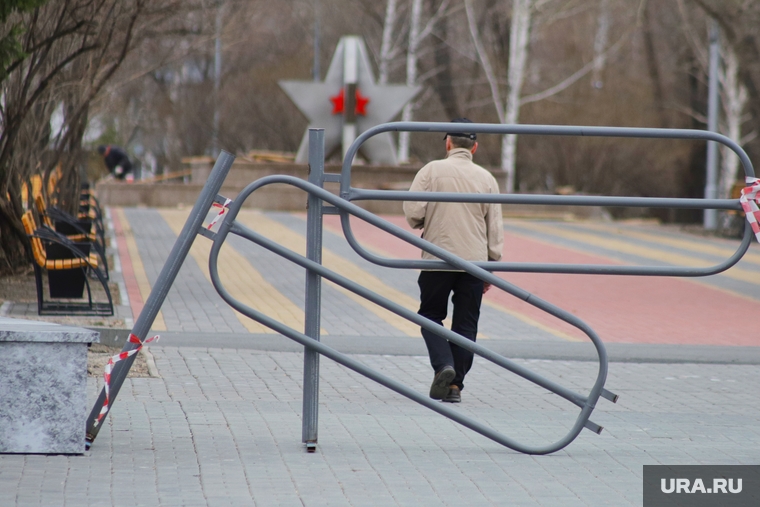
(43, 392)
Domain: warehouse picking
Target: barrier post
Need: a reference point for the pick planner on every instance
(161, 289)
(710, 216)
(313, 291)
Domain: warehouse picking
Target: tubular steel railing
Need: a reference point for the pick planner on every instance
(342, 205)
(586, 403)
(355, 194)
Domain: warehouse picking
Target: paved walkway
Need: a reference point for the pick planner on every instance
(620, 308)
(221, 426)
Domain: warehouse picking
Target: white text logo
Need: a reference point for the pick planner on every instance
(698, 486)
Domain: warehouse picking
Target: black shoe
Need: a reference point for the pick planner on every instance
(454, 395)
(440, 387)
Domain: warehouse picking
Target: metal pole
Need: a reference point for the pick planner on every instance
(587, 403)
(313, 292)
(164, 282)
(347, 193)
(350, 81)
(316, 71)
(217, 79)
(711, 183)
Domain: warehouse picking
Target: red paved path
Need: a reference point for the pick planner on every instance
(619, 308)
(127, 270)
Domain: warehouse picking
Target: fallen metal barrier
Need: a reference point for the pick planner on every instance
(343, 205)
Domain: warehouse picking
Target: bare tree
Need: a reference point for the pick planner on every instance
(411, 76)
(738, 21)
(734, 100)
(71, 49)
(416, 36)
(519, 37)
(522, 19)
(600, 43)
(387, 48)
(468, 56)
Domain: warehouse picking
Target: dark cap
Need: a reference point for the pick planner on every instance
(472, 136)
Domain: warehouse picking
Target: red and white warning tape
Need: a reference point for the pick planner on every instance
(109, 367)
(221, 212)
(749, 201)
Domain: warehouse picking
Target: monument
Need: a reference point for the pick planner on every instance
(348, 102)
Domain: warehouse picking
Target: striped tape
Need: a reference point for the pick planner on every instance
(749, 201)
(221, 212)
(109, 368)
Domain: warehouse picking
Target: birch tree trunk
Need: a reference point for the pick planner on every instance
(735, 97)
(387, 44)
(411, 77)
(600, 44)
(518, 57)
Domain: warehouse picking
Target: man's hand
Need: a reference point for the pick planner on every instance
(486, 287)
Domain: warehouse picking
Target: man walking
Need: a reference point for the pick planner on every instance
(472, 231)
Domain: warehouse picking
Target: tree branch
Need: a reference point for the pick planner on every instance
(492, 83)
(570, 80)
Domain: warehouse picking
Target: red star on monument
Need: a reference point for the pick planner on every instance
(326, 107)
(361, 104)
(339, 103)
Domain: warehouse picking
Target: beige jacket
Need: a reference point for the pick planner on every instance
(472, 231)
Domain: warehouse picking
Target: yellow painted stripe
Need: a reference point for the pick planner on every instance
(137, 266)
(241, 280)
(684, 244)
(640, 251)
(296, 242)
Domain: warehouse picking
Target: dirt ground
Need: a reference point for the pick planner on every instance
(98, 355)
(21, 288)
(18, 288)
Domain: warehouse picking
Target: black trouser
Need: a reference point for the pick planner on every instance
(435, 287)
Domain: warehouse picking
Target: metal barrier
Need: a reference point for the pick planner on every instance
(356, 194)
(342, 205)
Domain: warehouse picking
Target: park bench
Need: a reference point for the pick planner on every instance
(89, 218)
(66, 264)
(81, 229)
(89, 207)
